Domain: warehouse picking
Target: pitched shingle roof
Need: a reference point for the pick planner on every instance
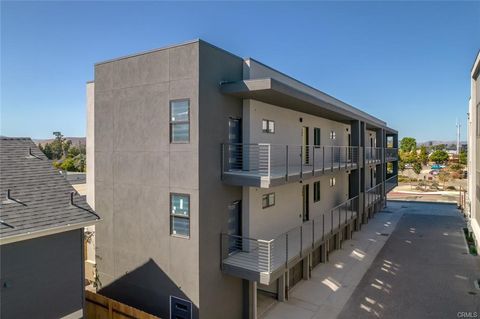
(39, 194)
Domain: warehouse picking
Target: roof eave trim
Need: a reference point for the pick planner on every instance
(46, 232)
(476, 66)
(244, 87)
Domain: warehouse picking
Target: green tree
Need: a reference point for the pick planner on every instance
(408, 144)
(408, 157)
(417, 167)
(462, 157)
(439, 156)
(47, 150)
(73, 151)
(423, 156)
(57, 146)
(439, 147)
(80, 162)
(68, 164)
(401, 165)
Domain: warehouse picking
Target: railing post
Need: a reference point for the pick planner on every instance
(331, 221)
(301, 241)
(286, 250)
(269, 159)
(331, 162)
(286, 163)
(313, 233)
(269, 257)
(313, 160)
(223, 160)
(323, 226)
(301, 161)
(222, 252)
(346, 156)
(323, 159)
(339, 216)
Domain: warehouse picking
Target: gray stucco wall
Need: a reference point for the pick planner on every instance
(136, 169)
(43, 277)
(220, 294)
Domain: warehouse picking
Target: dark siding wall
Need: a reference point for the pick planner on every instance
(42, 277)
(220, 295)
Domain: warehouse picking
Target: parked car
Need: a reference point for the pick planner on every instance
(437, 166)
(434, 172)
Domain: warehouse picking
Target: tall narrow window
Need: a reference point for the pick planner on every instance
(268, 126)
(316, 192)
(332, 181)
(268, 200)
(180, 121)
(180, 215)
(316, 136)
(333, 135)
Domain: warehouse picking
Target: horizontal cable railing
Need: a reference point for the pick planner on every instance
(391, 183)
(373, 154)
(273, 160)
(391, 154)
(268, 255)
(373, 195)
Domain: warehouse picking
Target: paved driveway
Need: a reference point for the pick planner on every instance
(422, 271)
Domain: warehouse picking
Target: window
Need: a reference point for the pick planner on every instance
(316, 137)
(180, 215)
(332, 181)
(316, 192)
(333, 135)
(268, 126)
(180, 121)
(268, 200)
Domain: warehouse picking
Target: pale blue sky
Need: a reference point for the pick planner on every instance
(407, 63)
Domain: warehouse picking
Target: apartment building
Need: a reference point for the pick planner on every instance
(219, 178)
(473, 192)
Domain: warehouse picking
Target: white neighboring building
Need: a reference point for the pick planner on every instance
(473, 200)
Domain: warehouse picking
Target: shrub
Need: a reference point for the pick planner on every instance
(68, 165)
(455, 167)
(451, 188)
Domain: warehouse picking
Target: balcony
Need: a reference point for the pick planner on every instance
(373, 155)
(391, 183)
(391, 154)
(264, 260)
(373, 195)
(266, 165)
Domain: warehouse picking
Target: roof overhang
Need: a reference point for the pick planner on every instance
(46, 232)
(476, 67)
(274, 92)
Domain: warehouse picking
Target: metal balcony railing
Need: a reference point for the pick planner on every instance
(373, 195)
(373, 155)
(391, 183)
(391, 154)
(273, 161)
(267, 256)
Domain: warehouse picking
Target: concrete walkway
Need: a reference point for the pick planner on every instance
(423, 271)
(340, 281)
(331, 285)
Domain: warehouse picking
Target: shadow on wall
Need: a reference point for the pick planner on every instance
(147, 288)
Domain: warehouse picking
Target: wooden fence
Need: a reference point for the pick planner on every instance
(101, 307)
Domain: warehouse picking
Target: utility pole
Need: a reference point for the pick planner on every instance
(458, 137)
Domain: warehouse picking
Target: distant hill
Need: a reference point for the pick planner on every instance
(431, 143)
(75, 141)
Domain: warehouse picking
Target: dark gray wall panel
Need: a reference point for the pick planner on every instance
(42, 277)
